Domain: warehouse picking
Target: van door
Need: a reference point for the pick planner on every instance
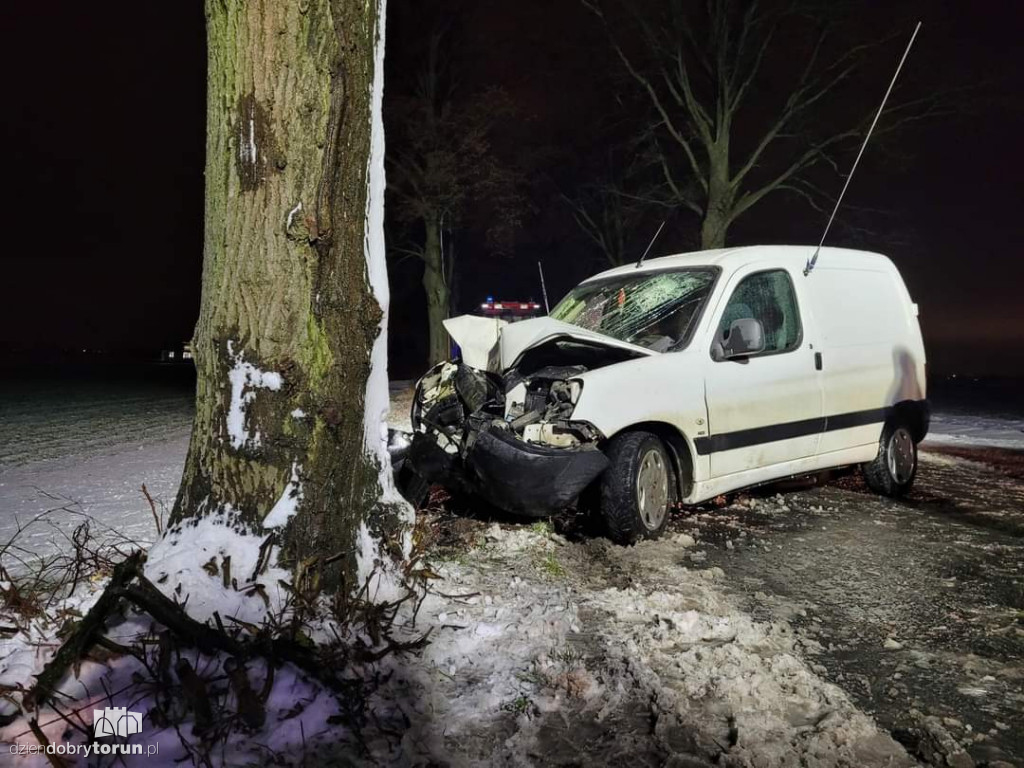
(870, 352)
(767, 408)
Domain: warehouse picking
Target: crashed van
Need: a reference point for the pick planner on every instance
(676, 381)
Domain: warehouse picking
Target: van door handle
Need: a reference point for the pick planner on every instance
(817, 361)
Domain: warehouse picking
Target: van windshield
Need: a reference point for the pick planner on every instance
(656, 310)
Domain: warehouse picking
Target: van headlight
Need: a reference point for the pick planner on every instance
(575, 390)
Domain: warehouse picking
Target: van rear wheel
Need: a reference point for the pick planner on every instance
(893, 470)
(638, 488)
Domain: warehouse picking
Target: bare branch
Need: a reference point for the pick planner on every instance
(652, 93)
(812, 156)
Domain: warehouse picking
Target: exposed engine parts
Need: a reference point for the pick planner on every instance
(510, 438)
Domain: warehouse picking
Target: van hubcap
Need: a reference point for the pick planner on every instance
(901, 455)
(652, 489)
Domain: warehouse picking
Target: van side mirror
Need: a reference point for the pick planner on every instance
(746, 337)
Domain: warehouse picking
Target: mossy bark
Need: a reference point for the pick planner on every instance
(285, 286)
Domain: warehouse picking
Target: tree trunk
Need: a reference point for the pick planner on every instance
(291, 327)
(436, 287)
(721, 196)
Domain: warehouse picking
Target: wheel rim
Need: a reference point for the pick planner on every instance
(901, 455)
(652, 489)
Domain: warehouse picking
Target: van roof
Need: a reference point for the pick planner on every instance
(792, 256)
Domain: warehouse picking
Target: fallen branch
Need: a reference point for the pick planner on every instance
(128, 583)
(82, 637)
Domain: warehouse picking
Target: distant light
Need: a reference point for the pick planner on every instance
(485, 306)
(490, 299)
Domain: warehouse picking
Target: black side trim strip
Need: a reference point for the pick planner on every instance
(744, 438)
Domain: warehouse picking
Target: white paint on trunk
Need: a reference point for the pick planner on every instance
(252, 135)
(245, 379)
(286, 506)
(291, 215)
(377, 398)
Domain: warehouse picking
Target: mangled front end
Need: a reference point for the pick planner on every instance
(516, 446)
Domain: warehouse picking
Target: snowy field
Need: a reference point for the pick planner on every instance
(88, 447)
(965, 428)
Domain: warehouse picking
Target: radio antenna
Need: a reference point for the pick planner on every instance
(641, 260)
(814, 259)
(543, 289)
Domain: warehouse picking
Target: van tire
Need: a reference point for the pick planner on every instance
(893, 470)
(629, 454)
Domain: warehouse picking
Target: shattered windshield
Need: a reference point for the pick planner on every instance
(656, 310)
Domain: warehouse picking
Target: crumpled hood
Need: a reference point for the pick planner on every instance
(494, 345)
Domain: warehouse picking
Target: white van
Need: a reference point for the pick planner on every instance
(678, 380)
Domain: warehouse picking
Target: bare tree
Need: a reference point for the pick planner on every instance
(439, 159)
(624, 199)
(290, 339)
(699, 66)
(612, 215)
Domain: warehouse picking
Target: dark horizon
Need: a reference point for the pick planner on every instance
(107, 135)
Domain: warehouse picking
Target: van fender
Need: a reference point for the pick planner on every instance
(663, 394)
(916, 415)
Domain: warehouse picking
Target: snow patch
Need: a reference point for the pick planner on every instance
(378, 574)
(288, 504)
(176, 561)
(245, 379)
(291, 215)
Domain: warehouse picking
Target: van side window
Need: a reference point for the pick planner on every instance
(769, 298)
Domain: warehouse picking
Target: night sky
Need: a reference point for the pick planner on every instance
(104, 135)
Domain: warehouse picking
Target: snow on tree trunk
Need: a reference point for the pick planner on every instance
(290, 346)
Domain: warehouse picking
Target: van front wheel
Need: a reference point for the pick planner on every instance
(893, 470)
(637, 488)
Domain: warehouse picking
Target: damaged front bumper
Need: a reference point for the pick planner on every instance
(510, 440)
(531, 478)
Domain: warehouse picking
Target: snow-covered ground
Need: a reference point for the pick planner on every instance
(542, 650)
(89, 449)
(964, 428)
(542, 654)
